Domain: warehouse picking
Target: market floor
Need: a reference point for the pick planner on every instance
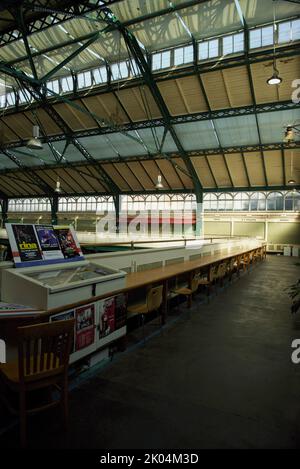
(220, 377)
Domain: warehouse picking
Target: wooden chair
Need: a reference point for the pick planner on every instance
(43, 359)
(207, 280)
(153, 302)
(221, 272)
(188, 292)
(231, 268)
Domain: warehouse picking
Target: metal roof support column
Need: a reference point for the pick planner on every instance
(54, 208)
(117, 204)
(145, 70)
(199, 214)
(4, 210)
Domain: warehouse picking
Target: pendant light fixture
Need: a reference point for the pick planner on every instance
(57, 188)
(291, 181)
(34, 143)
(289, 134)
(159, 184)
(275, 78)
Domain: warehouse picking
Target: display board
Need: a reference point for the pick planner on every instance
(42, 244)
(96, 324)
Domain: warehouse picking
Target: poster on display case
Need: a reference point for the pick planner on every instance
(120, 310)
(33, 245)
(84, 326)
(106, 316)
(24, 243)
(49, 242)
(68, 242)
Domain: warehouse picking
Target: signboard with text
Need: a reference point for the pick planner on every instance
(33, 245)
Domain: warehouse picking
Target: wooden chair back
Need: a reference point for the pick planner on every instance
(154, 298)
(212, 273)
(195, 283)
(44, 350)
(221, 270)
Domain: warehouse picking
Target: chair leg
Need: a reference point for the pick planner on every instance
(22, 417)
(143, 327)
(65, 403)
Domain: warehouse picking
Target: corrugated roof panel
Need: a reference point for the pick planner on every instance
(192, 94)
(274, 168)
(6, 134)
(256, 12)
(77, 184)
(215, 89)
(160, 32)
(219, 170)
(8, 190)
(196, 135)
(13, 50)
(129, 176)
(288, 70)
(106, 106)
(152, 169)
(272, 124)
(237, 85)
(173, 98)
(74, 118)
(130, 9)
(89, 176)
(239, 130)
(254, 165)
(20, 125)
(211, 18)
(183, 95)
(172, 177)
(141, 174)
(49, 125)
(118, 178)
(237, 169)
(139, 103)
(203, 171)
(184, 174)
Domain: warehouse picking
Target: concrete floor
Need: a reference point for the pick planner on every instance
(221, 377)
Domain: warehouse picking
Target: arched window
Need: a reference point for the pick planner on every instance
(258, 201)
(241, 201)
(210, 202)
(225, 202)
(292, 201)
(275, 201)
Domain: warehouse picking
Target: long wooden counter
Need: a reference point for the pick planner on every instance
(137, 280)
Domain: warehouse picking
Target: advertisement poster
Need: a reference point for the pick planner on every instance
(63, 317)
(106, 316)
(85, 326)
(42, 244)
(26, 243)
(120, 310)
(69, 244)
(49, 242)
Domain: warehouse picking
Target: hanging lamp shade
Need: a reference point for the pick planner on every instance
(159, 184)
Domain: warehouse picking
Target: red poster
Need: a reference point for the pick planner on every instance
(85, 326)
(107, 316)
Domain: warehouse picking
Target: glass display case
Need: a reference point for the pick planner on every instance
(47, 287)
